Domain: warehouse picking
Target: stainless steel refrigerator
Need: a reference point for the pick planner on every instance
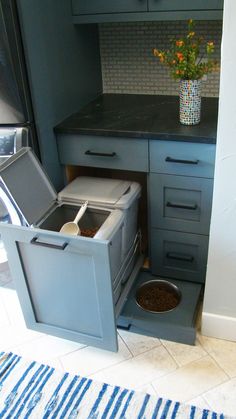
(15, 101)
(17, 127)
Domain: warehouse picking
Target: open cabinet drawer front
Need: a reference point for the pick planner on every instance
(63, 292)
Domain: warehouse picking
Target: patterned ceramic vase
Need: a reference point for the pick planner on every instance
(190, 102)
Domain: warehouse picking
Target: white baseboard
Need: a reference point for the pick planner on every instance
(217, 326)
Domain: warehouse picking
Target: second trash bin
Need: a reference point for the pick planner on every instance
(108, 193)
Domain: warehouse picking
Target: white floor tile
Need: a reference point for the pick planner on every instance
(11, 337)
(223, 398)
(140, 370)
(47, 348)
(12, 305)
(184, 354)
(138, 344)
(223, 351)
(4, 319)
(90, 360)
(191, 380)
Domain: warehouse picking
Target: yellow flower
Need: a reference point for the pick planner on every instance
(155, 52)
(210, 47)
(190, 34)
(179, 43)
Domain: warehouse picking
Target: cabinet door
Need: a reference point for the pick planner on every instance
(63, 284)
(84, 7)
(173, 5)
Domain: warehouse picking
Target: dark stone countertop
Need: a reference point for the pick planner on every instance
(141, 116)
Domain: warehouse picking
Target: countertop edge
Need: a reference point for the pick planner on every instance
(142, 135)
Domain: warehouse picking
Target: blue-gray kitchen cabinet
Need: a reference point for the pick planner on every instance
(180, 184)
(84, 7)
(180, 197)
(95, 11)
(179, 173)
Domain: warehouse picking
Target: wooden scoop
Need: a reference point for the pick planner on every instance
(72, 226)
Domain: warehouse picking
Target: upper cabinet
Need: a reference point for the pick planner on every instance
(95, 11)
(174, 5)
(85, 7)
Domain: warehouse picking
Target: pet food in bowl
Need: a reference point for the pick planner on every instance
(158, 296)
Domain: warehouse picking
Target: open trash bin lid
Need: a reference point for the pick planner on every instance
(102, 192)
(28, 185)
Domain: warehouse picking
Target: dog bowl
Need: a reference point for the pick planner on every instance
(158, 296)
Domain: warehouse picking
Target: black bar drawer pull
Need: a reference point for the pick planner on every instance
(178, 256)
(96, 153)
(52, 246)
(183, 206)
(171, 160)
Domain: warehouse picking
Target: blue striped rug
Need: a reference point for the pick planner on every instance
(33, 390)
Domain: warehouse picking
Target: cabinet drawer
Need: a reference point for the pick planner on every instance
(106, 152)
(180, 203)
(182, 158)
(179, 255)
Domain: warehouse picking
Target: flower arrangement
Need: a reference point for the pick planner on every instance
(184, 57)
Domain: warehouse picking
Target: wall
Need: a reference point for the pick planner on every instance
(63, 63)
(219, 311)
(128, 65)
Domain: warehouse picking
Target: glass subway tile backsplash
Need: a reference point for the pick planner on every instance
(128, 65)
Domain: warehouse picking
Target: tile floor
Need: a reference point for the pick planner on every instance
(204, 374)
